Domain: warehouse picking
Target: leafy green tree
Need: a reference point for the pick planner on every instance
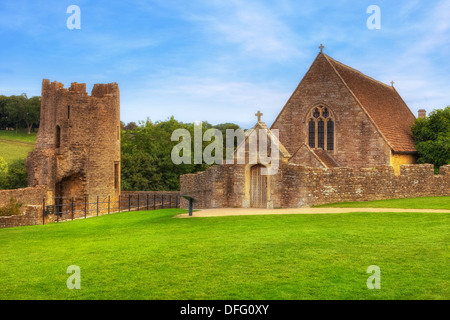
(4, 121)
(3, 166)
(17, 174)
(31, 115)
(432, 137)
(146, 155)
(131, 126)
(224, 126)
(16, 177)
(15, 108)
(23, 111)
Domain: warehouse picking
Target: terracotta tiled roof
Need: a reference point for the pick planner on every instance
(383, 104)
(325, 158)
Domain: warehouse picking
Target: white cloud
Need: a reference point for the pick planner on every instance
(417, 60)
(419, 68)
(211, 99)
(256, 29)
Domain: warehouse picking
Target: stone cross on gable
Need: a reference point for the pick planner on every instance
(392, 83)
(259, 114)
(321, 48)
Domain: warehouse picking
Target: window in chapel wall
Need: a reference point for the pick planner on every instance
(330, 135)
(312, 134)
(320, 134)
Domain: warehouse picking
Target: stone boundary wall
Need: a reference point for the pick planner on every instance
(32, 198)
(219, 186)
(32, 206)
(304, 186)
(296, 186)
(31, 215)
(29, 196)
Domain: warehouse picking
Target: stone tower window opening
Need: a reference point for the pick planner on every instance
(58, 137)
(68, 112)
(116, 176)
(320, 132)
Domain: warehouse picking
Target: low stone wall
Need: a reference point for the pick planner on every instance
(32, 198)
(29, 196)
(31, 215)
(31, 208)
(299, 186)
(219, 186)
(296, 186)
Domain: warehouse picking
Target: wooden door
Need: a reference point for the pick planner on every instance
(258, 187)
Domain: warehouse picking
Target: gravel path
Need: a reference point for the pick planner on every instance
(255, 211)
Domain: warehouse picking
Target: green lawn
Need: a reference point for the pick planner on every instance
(16, 146)
(151, 255)
(20, 135)
(409, 203)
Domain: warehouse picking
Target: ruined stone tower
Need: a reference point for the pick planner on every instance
(78, 144)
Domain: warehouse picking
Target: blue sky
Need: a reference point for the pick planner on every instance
(221, 61)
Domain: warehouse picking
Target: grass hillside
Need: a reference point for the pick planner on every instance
(152, 255)
(16, 145)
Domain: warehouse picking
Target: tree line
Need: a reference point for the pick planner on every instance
(146, 149)
(432, 138)
(17, 112)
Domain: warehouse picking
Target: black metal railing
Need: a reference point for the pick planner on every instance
(70, 208)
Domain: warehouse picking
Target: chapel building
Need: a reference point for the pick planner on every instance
(341, 136)
(339, 117)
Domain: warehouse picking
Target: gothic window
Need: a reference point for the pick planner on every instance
(316, 113)
(320, 134)
(321, 128)
(312, 133)
(330, 135)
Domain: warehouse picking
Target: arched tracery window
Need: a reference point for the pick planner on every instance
(321, 128)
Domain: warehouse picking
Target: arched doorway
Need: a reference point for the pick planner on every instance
(68, 188)
(258, 187)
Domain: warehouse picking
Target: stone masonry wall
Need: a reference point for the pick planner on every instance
(78, 143)
(32, 205)
(32, 199)
(299, 186)
(31, 215)
(29, 196)
(217, 187)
